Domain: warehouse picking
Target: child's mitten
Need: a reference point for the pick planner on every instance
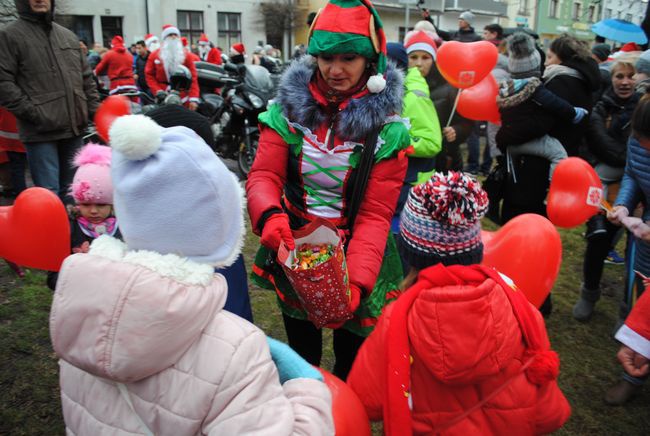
(290, 364)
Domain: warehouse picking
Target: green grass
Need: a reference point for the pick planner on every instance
(29, 396)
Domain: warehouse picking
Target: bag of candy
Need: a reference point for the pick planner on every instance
(318, 272)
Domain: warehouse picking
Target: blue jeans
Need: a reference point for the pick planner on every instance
(17, 165)
(474, 150)
(50, 163)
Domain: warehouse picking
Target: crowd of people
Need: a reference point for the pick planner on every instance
(151, 316)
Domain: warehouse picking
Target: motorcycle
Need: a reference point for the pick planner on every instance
(243, 93)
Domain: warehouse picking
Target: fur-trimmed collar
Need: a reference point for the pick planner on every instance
(509, 96)
(358, 118)
(175, 267)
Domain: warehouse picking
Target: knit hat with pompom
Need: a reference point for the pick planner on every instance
(523, 58)
(441, 222)
(92, 181)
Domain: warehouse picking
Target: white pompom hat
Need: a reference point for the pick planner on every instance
(173, 195)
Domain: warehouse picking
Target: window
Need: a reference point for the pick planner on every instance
(401, 33)
(81, 25)
(553, 6)
(111, 26)
(592, 13)
(577, 11)
(229, 27)
(523, 7)
(190, 24)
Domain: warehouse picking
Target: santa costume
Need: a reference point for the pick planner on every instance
(163, 62)
(207, 53)
(117, 64)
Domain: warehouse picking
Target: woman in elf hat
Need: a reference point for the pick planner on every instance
(310, 164)
(462, 351)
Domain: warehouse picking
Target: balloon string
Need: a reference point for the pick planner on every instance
(453, 109)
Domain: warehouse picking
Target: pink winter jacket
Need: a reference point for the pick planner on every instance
(155, 324)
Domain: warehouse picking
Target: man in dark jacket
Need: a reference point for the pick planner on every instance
(140, 63)
(46, 83)
(465, 32)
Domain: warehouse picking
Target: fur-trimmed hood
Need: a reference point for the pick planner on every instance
(360, 115)
(513, 92)
(126, 315)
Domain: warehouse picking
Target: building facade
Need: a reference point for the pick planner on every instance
(575, 17)
(224, 21)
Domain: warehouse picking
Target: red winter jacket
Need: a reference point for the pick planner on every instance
(117, 64)
(635, 333)
(213, 56)
(158, 81)
(465, 343)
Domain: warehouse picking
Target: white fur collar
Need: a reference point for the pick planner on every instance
(167, 265)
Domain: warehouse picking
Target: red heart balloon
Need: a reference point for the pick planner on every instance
(350, 418)
(35, 231)
(465, 64)
(112, 108)
(527, 249)
(480, 101)
(575, 193)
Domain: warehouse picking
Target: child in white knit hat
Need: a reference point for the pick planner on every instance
(143, 342)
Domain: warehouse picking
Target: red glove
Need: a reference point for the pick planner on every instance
(353, 305)
(276, 229)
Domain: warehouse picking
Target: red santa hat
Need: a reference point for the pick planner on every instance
(168, 29)
(184, 41)
(237, 49)
(203, 40)
(117, 41)
(420, 40)
(149, 38)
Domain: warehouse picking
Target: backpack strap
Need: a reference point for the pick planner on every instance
(363, 174)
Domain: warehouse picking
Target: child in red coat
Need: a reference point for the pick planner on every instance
(461, 351)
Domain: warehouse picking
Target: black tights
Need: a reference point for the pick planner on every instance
(307, 340)
(598, 245)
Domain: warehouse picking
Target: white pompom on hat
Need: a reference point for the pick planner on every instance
(173, 195)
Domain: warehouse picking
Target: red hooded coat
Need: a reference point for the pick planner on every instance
(117, 64)
(466, 347)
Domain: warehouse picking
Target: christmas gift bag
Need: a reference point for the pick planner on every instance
(318, 272)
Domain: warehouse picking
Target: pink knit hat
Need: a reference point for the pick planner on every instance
(92, 181)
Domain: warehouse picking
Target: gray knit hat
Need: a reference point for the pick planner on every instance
(643, 63)
(467, 16)
(524, 60)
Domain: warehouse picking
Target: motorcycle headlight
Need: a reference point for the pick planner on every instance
(255, 100)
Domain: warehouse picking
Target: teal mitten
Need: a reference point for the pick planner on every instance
(290, 364)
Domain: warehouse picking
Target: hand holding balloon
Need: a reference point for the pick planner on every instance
(616, 215)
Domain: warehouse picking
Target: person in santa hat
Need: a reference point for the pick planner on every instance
(163, 62)
(238, 53)
(188, 51)
(207, 53)
(117, 64)
(152, 42)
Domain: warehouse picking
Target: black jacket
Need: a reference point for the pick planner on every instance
(609, 128)
(465, 35)
(45, 80)
(443, 95)
(140, 63)
(578, 92)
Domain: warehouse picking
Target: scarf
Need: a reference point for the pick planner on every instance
(555, 70)
(106, 227)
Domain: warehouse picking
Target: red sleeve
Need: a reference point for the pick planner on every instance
(194, 88)
(367, 377)
(267, 177)
(215, 56)
(100, 69)
(639, 318)
(366, 249)
(150, 73)
(553, 409)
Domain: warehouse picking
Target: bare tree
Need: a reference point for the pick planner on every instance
(281, 17)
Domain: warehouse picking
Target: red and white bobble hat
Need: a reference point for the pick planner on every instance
(237, 49)
(149, 40)
(203, 40)
(168, 29)
(421, 41)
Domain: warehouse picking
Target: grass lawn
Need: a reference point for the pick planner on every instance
(29, 395)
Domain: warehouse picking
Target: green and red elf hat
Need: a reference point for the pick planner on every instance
(351, 26)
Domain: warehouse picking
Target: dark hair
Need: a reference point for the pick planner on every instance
(641, 118)
(567, 47)
(141, 42)
(310, 18)
(495, 28)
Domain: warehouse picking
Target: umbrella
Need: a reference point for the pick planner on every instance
(510, 30)
(619, 30)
